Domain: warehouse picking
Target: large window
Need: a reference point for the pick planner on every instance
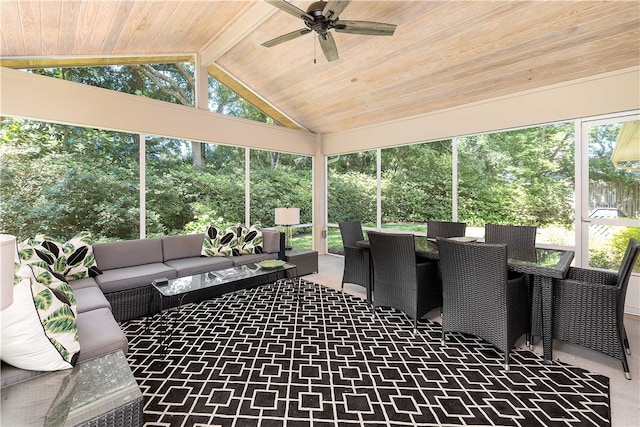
(165, 82)
(186, 192)
(59, 180)
(282, 180)
(416, 185)
(613, 210)
(520, 177)
(351, 193)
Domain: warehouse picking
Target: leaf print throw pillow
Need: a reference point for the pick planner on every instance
(250, 241)
(39, 330)
(79, 255)
(73, 259)
(218, 242)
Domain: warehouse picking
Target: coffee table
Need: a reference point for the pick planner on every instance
(214, 284)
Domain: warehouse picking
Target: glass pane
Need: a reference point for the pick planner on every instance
(416, 185)
(280, 180)
(187, 192)
(334, 241)
(352, 190)
(165, 82)
(607, 245)
(60, 180)
(520, 177)
(614, 191)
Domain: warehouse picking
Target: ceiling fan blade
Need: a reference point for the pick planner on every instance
(286, 37)
(328, 45)
(335, 8)
(289, 8)
(365, 27)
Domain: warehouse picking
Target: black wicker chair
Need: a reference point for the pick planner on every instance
(356, 260)
(588, 308)
(445, 229)
(479, 297)
(399, 280)
(521, 236)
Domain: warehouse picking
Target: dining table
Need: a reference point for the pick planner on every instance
(548, 265)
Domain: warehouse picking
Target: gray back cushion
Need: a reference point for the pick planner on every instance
(270, 241)
(127, 253)
(183, 246)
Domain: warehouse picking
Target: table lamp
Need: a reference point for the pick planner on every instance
(287, 217)
(7, 260)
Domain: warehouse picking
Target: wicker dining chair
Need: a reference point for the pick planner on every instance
(356, 260)
(399, 280)
(522, 236)
(445, 229)
(478, 295)
(588, 308)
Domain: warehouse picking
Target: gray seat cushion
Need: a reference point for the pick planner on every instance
(99, 334)
(11, 375)
(197, 265)
(248, 259)
(133, 277)
(90, 298)
(87, 282)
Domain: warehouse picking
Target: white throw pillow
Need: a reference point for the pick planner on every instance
(39, 330)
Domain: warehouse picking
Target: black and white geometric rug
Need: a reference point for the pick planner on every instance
(295, 353)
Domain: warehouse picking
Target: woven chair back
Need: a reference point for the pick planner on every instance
(446, 229)
(522, 236)
(475, 295)
(626, 267)
(394, 271)
(351, 232)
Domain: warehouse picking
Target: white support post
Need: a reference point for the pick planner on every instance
(142, 148)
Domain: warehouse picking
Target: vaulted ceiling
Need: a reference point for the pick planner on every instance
(442, 55)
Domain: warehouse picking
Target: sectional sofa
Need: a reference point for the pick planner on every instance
(123, 290)
(128, 267)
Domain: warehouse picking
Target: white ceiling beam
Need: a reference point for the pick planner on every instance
(256, 14)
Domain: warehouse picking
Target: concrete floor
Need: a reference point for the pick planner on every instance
(625, 394)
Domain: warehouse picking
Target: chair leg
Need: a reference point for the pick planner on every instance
(506, 361)
(625, 341)
(625, 366)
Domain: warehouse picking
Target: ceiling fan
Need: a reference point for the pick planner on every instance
(322, 16)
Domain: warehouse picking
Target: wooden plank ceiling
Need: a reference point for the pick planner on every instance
(443, 54)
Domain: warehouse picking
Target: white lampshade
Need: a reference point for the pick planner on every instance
(7, 259)
(287, 216)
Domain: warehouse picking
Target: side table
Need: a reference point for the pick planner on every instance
(305, 260)
(96, 392)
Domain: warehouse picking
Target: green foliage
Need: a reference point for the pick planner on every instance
(608, 253)
(351, 196)
(522, 176)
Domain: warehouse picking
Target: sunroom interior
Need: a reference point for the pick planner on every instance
(453, 69)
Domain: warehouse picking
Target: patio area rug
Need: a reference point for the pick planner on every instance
(295, 353)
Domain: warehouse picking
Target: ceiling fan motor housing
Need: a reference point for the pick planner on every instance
(320, 23)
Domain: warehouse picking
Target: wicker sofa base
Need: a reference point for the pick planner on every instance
(145, 300)
(127, 415)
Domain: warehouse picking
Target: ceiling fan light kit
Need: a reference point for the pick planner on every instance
(322, 16)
